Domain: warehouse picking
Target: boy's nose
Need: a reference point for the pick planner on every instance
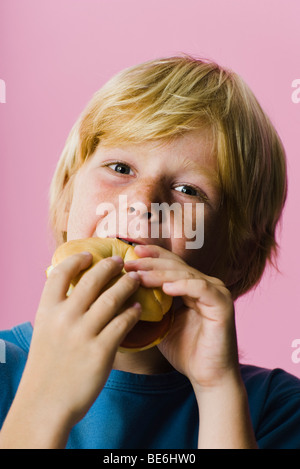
(144, 212)
(144, 198)
(144, 205)
(147, 214)
(143, 220)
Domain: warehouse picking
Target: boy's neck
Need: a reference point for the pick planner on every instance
(146, 362)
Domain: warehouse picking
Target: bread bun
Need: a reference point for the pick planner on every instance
(156, 317)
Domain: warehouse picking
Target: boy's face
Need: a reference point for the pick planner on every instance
(141, 177)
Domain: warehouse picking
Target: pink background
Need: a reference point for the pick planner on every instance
(54, 54)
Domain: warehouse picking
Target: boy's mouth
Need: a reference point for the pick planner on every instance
(132, 243)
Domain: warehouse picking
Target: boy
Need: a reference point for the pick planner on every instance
(175, 130)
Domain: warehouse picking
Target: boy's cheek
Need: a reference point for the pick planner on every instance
(206, 259)
(82, 222)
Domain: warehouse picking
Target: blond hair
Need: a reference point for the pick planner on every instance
(165, 98)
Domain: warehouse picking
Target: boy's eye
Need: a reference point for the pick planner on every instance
(121, 168)
(190, 190)
(187, 190)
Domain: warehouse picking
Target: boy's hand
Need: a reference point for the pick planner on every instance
(202, 345)
(202, 341)
(75, 338)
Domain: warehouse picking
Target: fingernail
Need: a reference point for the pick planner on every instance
(137, 306)
(134, 275)
(86, 253)
(168, 285)
(117, 259)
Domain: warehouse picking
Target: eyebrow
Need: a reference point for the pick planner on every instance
(211, 174)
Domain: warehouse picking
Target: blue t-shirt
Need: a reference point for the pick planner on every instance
(160, 411)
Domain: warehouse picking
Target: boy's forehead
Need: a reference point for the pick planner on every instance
(193, 149)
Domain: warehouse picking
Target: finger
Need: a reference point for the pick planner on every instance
(117, 329)
(151, 250)
(172, 263)
(203, 291)
(155, 271)
(149, 263)
(60, 277)
(111, 301)
(93, 282)
(156, 278)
